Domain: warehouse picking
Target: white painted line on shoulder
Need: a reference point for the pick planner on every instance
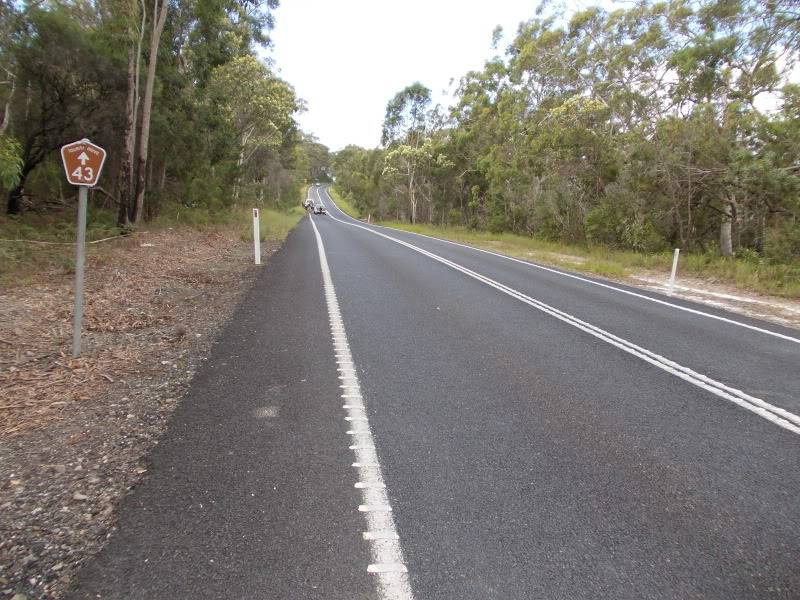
(387, 568)
(378, 485)
(387, 555)
(775, 414)
(374, 508)
(380, 535)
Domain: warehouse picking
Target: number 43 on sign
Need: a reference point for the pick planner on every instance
(83, 162)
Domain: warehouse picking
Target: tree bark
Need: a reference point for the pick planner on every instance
(725, 237)
(7, 110)
(126, 163)
(14, 205)
(15, 196)
(159, 19)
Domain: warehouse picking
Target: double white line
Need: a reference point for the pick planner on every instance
(779, 416)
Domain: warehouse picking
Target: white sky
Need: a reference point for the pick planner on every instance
(347, 58)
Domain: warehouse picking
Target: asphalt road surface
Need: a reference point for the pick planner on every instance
(390, 416)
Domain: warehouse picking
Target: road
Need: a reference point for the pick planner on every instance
(498, 429)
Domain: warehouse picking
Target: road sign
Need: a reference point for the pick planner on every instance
(83, 162)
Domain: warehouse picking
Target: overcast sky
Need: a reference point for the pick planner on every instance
(347, 58)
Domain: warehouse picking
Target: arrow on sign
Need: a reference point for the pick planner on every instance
(83, 158)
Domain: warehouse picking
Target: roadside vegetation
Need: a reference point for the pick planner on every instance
(198, 127)
(344, 203)
(43, 243)
(613, 135)
(750, 273)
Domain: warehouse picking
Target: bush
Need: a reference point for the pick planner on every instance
(455, 217)
(783, 242)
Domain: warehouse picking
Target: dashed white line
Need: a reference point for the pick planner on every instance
(388, 564)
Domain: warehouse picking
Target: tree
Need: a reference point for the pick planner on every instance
(158, 20)
(404, 131)
(257, 105)
(66, 86)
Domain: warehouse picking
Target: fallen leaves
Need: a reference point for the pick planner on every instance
(140, 298)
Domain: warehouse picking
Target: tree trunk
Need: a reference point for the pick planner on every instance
(412, 197)
(725, 237)
(159, 19)
(14, 205)
(15, 196)
(126, 162)
(7, 110)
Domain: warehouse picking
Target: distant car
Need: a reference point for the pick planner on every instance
(320, 210)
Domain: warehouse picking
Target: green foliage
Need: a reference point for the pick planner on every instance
(637, 128)
(10, 162)
(223, 130)
(783, 242)
(344, 203)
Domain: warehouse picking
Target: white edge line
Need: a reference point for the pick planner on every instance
(387, 564)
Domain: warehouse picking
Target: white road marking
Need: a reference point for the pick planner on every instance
(387, 568)
(387, 564)
(379, 535)
(369, 484)
(779, 416)
(583, 279)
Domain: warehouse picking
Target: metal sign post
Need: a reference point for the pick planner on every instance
(256, 236)
(83, 162)
(80, 258)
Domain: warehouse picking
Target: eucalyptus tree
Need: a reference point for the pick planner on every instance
(257, 105)
(404, 135)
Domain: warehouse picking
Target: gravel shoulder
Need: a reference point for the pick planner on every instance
(75, 433)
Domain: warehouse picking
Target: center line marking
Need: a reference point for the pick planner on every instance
(387, 564)
(775, 414)
(569, 275)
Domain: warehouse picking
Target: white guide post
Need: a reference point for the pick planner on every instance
(256, 236)
(674, 271)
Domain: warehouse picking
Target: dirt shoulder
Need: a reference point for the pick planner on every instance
(74, 434)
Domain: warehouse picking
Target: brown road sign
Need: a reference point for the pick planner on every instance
(83, 162)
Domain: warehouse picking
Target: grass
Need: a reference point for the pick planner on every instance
(752, 273)
(344, 205)
(274, 225)
(22, 262)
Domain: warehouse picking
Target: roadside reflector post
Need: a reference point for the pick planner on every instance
(674, 271)
(83, 162)
(256, 236)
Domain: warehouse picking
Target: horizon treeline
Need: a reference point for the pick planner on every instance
(176, 91)
(646, 127)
